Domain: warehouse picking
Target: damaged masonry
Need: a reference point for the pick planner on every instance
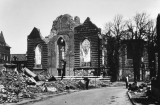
(38, 70)
(17, 86)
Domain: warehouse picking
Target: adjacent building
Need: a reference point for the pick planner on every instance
(19, 59)
(4, 50)
(126, 60)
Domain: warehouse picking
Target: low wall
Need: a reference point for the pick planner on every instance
(84, 72)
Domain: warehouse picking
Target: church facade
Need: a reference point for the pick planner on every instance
(79, 45)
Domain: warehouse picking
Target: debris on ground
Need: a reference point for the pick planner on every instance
(141, 94)
(16, 86)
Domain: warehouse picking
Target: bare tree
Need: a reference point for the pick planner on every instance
(115, 28)
(114, 31)
(140, 29)
(118, 26)
(138, 26)
(151, 31)
(108, 28)
(141, 22)
(129, 33)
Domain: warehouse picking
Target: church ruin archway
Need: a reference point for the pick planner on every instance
(38, 57)
(60, 53)
(85, 53)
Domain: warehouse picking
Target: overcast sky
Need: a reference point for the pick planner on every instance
(19, 17)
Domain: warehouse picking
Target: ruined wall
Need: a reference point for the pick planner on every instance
(63, 27)
(126, 63)
(90, 32)
(32, 41)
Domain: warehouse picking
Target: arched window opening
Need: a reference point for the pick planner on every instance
(38, 56)
(61, 51)
(85, 53)
(103, 57)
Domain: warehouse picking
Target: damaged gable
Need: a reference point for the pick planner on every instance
(87, 45)
(64, 23)
(34, 34)
(35, 39)
(87, 26)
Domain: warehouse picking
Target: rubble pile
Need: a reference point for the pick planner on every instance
(98, 83)
(141, 94)
(62, 85)
(16, 86)
(142, 88)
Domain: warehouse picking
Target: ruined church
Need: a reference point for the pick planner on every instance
(78, 44)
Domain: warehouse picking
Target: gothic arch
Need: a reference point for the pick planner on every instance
(38, 56)
(61, 49)
(85, 52)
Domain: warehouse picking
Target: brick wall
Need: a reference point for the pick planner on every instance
(126, 65)
(65, 31)
(88, 31)
(33, 40)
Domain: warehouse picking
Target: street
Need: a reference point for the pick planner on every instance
(100, 96)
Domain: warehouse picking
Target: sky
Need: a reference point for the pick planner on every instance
(19, 17)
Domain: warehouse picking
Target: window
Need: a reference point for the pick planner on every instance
(60, 51)
(38, 56)
(85, 55)
(7, 58)
(102, 57)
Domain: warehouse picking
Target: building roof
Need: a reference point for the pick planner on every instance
(18, 57)
(2, 40)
